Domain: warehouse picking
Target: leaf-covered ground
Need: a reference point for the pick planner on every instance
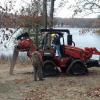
(21, 85)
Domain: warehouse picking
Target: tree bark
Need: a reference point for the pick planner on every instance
(51, 20)
(45, 13)
(51, 13)
(13, 60)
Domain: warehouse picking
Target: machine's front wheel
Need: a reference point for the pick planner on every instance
(50, 68)
(77, 68)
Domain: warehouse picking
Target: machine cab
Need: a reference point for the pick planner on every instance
(47, 40)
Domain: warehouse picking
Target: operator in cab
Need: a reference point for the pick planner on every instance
(56, 43)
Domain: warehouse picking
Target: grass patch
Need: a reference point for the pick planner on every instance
(4, 88)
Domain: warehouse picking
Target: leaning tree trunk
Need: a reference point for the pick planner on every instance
(13, 59)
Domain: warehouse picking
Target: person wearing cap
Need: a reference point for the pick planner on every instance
(56, 43)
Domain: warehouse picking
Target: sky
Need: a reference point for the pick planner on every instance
(63, 12)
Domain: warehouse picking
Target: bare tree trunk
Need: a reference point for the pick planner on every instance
(51, 20)
(45, 13)
(51, 13)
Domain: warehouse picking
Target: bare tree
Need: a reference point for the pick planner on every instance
(86, 7)
(33, 12)
(45, 13)
(51, 13)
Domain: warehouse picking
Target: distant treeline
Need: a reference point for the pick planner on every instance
(78, 22)
(10, 20)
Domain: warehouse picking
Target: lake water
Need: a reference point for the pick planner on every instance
(88, 39)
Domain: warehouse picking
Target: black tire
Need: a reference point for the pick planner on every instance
(77, 68)
(49, 68)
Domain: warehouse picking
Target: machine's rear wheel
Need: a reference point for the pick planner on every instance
(50, 68)
(77, 68)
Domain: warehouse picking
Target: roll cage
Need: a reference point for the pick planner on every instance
(59, 32)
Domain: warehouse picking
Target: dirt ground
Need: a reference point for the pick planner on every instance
(21, 85)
